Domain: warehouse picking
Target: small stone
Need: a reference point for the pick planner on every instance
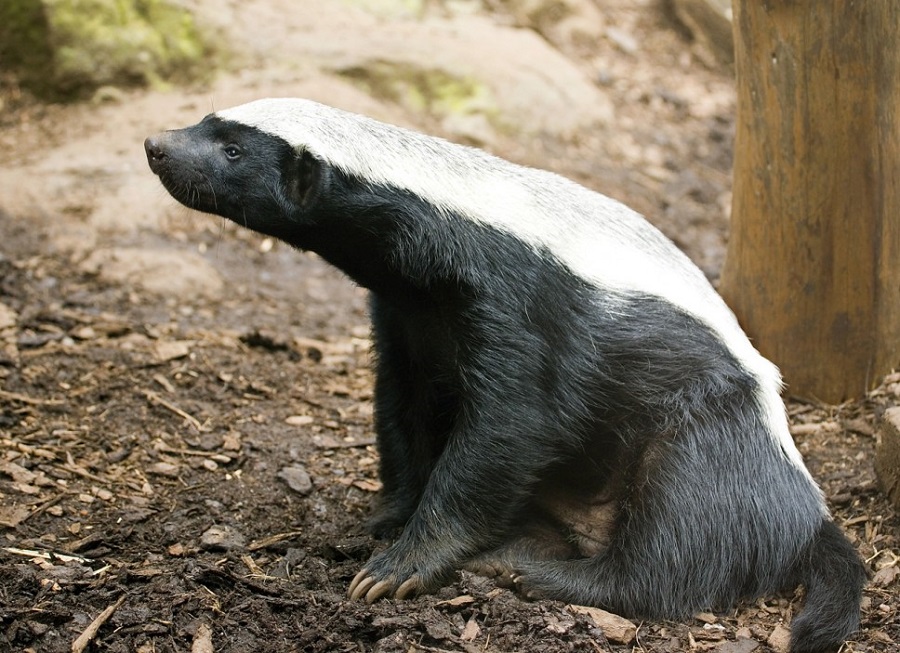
(211, 441)
(84, 333)
(8, 317)
(297, 479)
(104, 494)
(167, 350)
(231, 442)
(737, 646)
(300, 420)
(222, 538)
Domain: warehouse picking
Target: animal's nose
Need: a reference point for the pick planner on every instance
(155, 152)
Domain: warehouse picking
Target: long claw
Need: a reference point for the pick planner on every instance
(356, 579)
(360, 585)
(378, 590)
(407, 588)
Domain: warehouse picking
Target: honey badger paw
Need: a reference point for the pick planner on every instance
(364, 586)
(397, 574)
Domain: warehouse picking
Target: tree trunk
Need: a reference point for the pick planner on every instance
(813, 263)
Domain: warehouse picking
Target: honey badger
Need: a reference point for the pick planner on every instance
(560, 395)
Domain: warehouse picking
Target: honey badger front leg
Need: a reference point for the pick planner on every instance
(499, 444)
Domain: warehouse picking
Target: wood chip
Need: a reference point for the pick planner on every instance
(165, 469)
(457, 601)
(886, 576)
(202, 640)
(471, 631)
(615, 628)
(12, 516)
(367, 486)
(780, 639)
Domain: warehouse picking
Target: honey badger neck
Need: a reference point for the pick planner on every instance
(386, 238)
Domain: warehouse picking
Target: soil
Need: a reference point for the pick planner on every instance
(199, 468)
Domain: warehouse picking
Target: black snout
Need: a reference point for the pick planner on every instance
(155, 152)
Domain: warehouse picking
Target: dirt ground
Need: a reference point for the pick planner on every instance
(196, 471)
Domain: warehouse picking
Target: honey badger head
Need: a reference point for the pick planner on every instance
(238, 171)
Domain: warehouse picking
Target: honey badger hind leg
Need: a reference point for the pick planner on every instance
(539, 541)
(668, 559)
(564, 527)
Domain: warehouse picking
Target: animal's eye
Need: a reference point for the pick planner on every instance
(232, 152)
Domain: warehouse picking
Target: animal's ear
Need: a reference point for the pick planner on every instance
(306, 179)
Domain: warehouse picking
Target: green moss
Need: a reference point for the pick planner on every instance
(423, 90)
(23, 30)
(92, 43)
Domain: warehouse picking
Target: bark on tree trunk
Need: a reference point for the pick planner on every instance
(813, 262)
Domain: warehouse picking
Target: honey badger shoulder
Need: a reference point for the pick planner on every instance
(559, 391)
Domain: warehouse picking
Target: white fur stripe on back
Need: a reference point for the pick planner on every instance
(596, 237)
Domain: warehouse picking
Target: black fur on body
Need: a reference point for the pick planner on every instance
(605, 446)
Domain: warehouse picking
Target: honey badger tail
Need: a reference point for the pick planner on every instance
(834, 576)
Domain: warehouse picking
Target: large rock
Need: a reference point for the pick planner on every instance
(72, 47)
(570, 25)
(887, 455)
(467, 73)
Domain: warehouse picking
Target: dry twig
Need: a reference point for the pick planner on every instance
(154, 398)
(90, 632)
(31, 401)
